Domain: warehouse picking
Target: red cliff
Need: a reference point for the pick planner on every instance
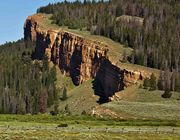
(82, 58)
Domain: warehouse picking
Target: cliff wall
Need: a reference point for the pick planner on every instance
(81, 58)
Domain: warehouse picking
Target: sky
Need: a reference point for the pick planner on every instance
(13, 14)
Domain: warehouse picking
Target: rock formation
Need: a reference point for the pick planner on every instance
(81, 58)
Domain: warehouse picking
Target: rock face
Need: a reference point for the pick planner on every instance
(109, 80)
(80, 58)
(30, 28)
(126, 19)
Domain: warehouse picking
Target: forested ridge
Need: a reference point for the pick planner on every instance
(26, 86)
(156, 43)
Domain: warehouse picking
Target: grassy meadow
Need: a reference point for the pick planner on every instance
(47, 127)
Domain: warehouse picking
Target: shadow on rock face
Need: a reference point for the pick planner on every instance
(98, 90)
(108, 81)
(75, 64)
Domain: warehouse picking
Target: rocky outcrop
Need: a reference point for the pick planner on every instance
(80, 58)
(75, 56)
(109, 80)
(126, 19)
(30, 27)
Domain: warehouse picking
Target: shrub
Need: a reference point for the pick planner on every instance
(64, 96)
(84, 113)
(146, 83)
(167, 94)
(152, 82)
(53, 113)
(63, 125)
(67, 110)
(140, 86)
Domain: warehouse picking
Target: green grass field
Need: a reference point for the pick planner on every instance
(145, 104)
(64, 135)
(40, 127)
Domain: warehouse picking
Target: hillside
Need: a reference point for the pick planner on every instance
(60, 43)
(93, 70)
(150, 28)
(82, 57)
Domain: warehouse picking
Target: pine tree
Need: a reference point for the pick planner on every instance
(167, 77)
(67, 110)
(167, 93)
(43, 101)
(146, 83)
(173, 80)
(161, 81)
(152, 82)
(64, 96)
(45, 63)
(177, 83)
(124, 56)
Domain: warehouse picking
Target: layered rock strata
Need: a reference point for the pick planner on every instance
(80, 58)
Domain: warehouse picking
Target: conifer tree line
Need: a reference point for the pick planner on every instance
(26, 86)
(167, 81)
(156, 43)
